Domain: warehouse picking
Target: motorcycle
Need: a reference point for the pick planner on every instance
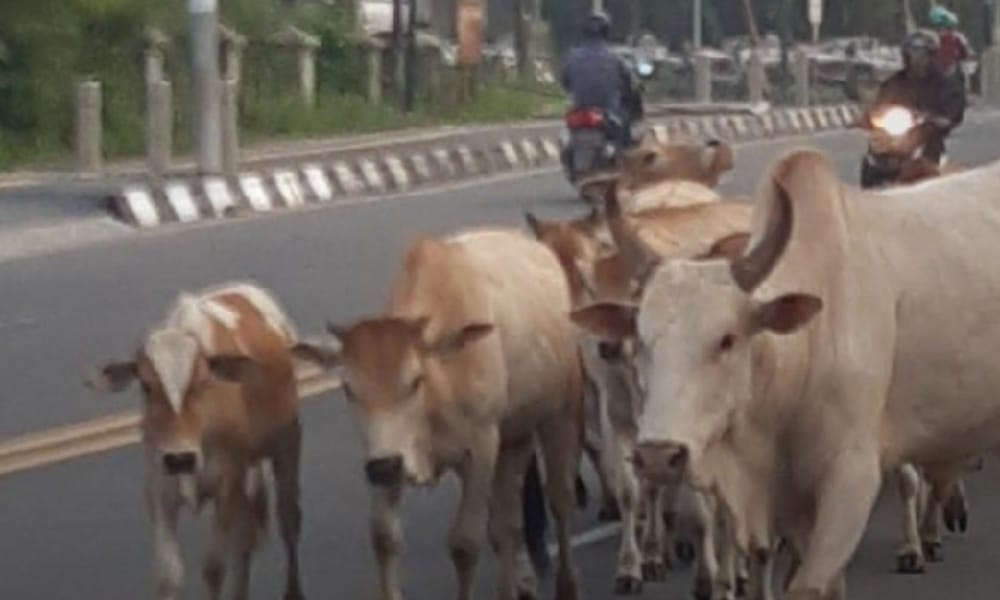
(895, 147)
(594, 137)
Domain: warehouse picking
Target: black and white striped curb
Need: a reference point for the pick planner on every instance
(185, 200)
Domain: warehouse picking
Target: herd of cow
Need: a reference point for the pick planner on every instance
(753, 367)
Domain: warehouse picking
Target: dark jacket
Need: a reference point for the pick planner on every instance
(595, 77)
(933, 94)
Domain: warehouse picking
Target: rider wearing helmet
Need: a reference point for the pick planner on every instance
(921, 86)
(595, 77)
(954, 47)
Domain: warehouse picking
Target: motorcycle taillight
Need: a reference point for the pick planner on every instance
(584, 118)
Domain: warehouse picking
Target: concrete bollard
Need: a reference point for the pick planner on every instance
(756, 78)
(990, 76)
(702, 78)
(159, 127)
(801, 72)
(307, 74)
(230, 127)
(374, 75)
(88, 127)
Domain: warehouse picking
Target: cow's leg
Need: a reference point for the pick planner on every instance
(838, 525)
(910, 558)
(707, 558)
(247, 527)
(387, 539)
(609, 510)
(560, 441)
(504, 518)
(597, 451)
(760, 584)
(726, 585)
(629, 576)
(654, 539)
(941, 488)
(956, 510)
(469, 530)
(286, 459)
(163, 503)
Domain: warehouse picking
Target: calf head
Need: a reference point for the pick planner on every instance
(652, 162)
(393, 380)
(178, 383)
(693, 329)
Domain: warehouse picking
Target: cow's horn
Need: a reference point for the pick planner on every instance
(753, 267)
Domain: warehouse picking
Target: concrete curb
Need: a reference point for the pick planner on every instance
(375, 173)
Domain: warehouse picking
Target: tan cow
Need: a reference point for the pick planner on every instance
(474, 362)
(791, 378)
(655, 174)
(597, 273)
(220, 403)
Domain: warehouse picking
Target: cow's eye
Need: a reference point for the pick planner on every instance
(727, 342)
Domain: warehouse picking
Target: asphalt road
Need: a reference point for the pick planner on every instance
(78, 529)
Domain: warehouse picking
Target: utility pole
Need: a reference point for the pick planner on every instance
(207, 121)
(398, 64)
(696, 25)
(410, 94)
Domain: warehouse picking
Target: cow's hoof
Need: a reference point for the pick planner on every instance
(609, 513)
(654, 571)
(294, 596)
(527, 595)
(627, 585)
(956, 516)
(933, 552)
(910, 563)
(685, 552)
(742, 585)
(582, 494)
(702, 589)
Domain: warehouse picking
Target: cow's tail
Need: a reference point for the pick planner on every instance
(536, 518)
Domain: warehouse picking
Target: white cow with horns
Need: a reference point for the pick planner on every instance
(857, 333)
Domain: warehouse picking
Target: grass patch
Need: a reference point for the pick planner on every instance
(266, 117)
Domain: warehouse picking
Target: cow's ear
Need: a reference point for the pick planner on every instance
(786, 314)
(730, 247)
(457, 341)
(322, 355)
(113, 377)
(230, 367)
(607, 320)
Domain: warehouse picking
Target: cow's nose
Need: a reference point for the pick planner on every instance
(180, 463)
(661, 460)
(609, 350)
(385, 472)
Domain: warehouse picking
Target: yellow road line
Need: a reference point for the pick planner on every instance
(58, 444)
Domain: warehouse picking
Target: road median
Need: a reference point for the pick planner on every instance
(322, 176)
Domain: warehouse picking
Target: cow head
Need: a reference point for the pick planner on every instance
(392, 378)
(652, 162)
(693, 329)
(575, 242)
(178, 381)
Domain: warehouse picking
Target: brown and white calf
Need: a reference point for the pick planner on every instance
(220, 401)
(473, 364)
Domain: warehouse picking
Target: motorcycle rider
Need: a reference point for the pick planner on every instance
(595, 77)
(921, 86)
(953, 46)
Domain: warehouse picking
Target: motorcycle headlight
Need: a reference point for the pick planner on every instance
(895, 121)
(644, 68)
